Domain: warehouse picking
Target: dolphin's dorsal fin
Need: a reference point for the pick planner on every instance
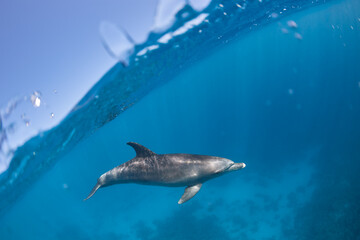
(140, 150)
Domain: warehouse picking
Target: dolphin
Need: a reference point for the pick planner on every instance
(171, 170)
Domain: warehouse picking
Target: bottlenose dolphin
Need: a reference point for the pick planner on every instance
(171, 170)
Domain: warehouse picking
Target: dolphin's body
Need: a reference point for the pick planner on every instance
(171, 170)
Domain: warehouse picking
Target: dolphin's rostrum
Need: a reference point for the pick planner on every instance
(171, 170)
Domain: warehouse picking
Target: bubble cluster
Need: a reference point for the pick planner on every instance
(291, 25)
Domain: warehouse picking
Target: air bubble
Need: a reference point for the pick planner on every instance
(298, 36)
(242, 7)
(274, 15)
(292, 24)
(284, 30)
(52, 115)
(35, 99)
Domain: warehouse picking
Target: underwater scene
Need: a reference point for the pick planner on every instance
(241, 120)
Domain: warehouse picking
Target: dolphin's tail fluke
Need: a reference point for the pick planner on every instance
(97, 186)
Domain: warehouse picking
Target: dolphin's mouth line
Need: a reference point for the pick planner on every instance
(229, 167)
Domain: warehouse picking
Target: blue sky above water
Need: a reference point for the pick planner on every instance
(54, 48)
(56, 45)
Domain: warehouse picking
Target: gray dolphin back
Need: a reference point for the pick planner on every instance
(172, 170)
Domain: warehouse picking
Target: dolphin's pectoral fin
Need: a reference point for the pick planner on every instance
(189, 193)
(140, 150)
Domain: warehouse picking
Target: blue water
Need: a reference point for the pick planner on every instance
(248, 87)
